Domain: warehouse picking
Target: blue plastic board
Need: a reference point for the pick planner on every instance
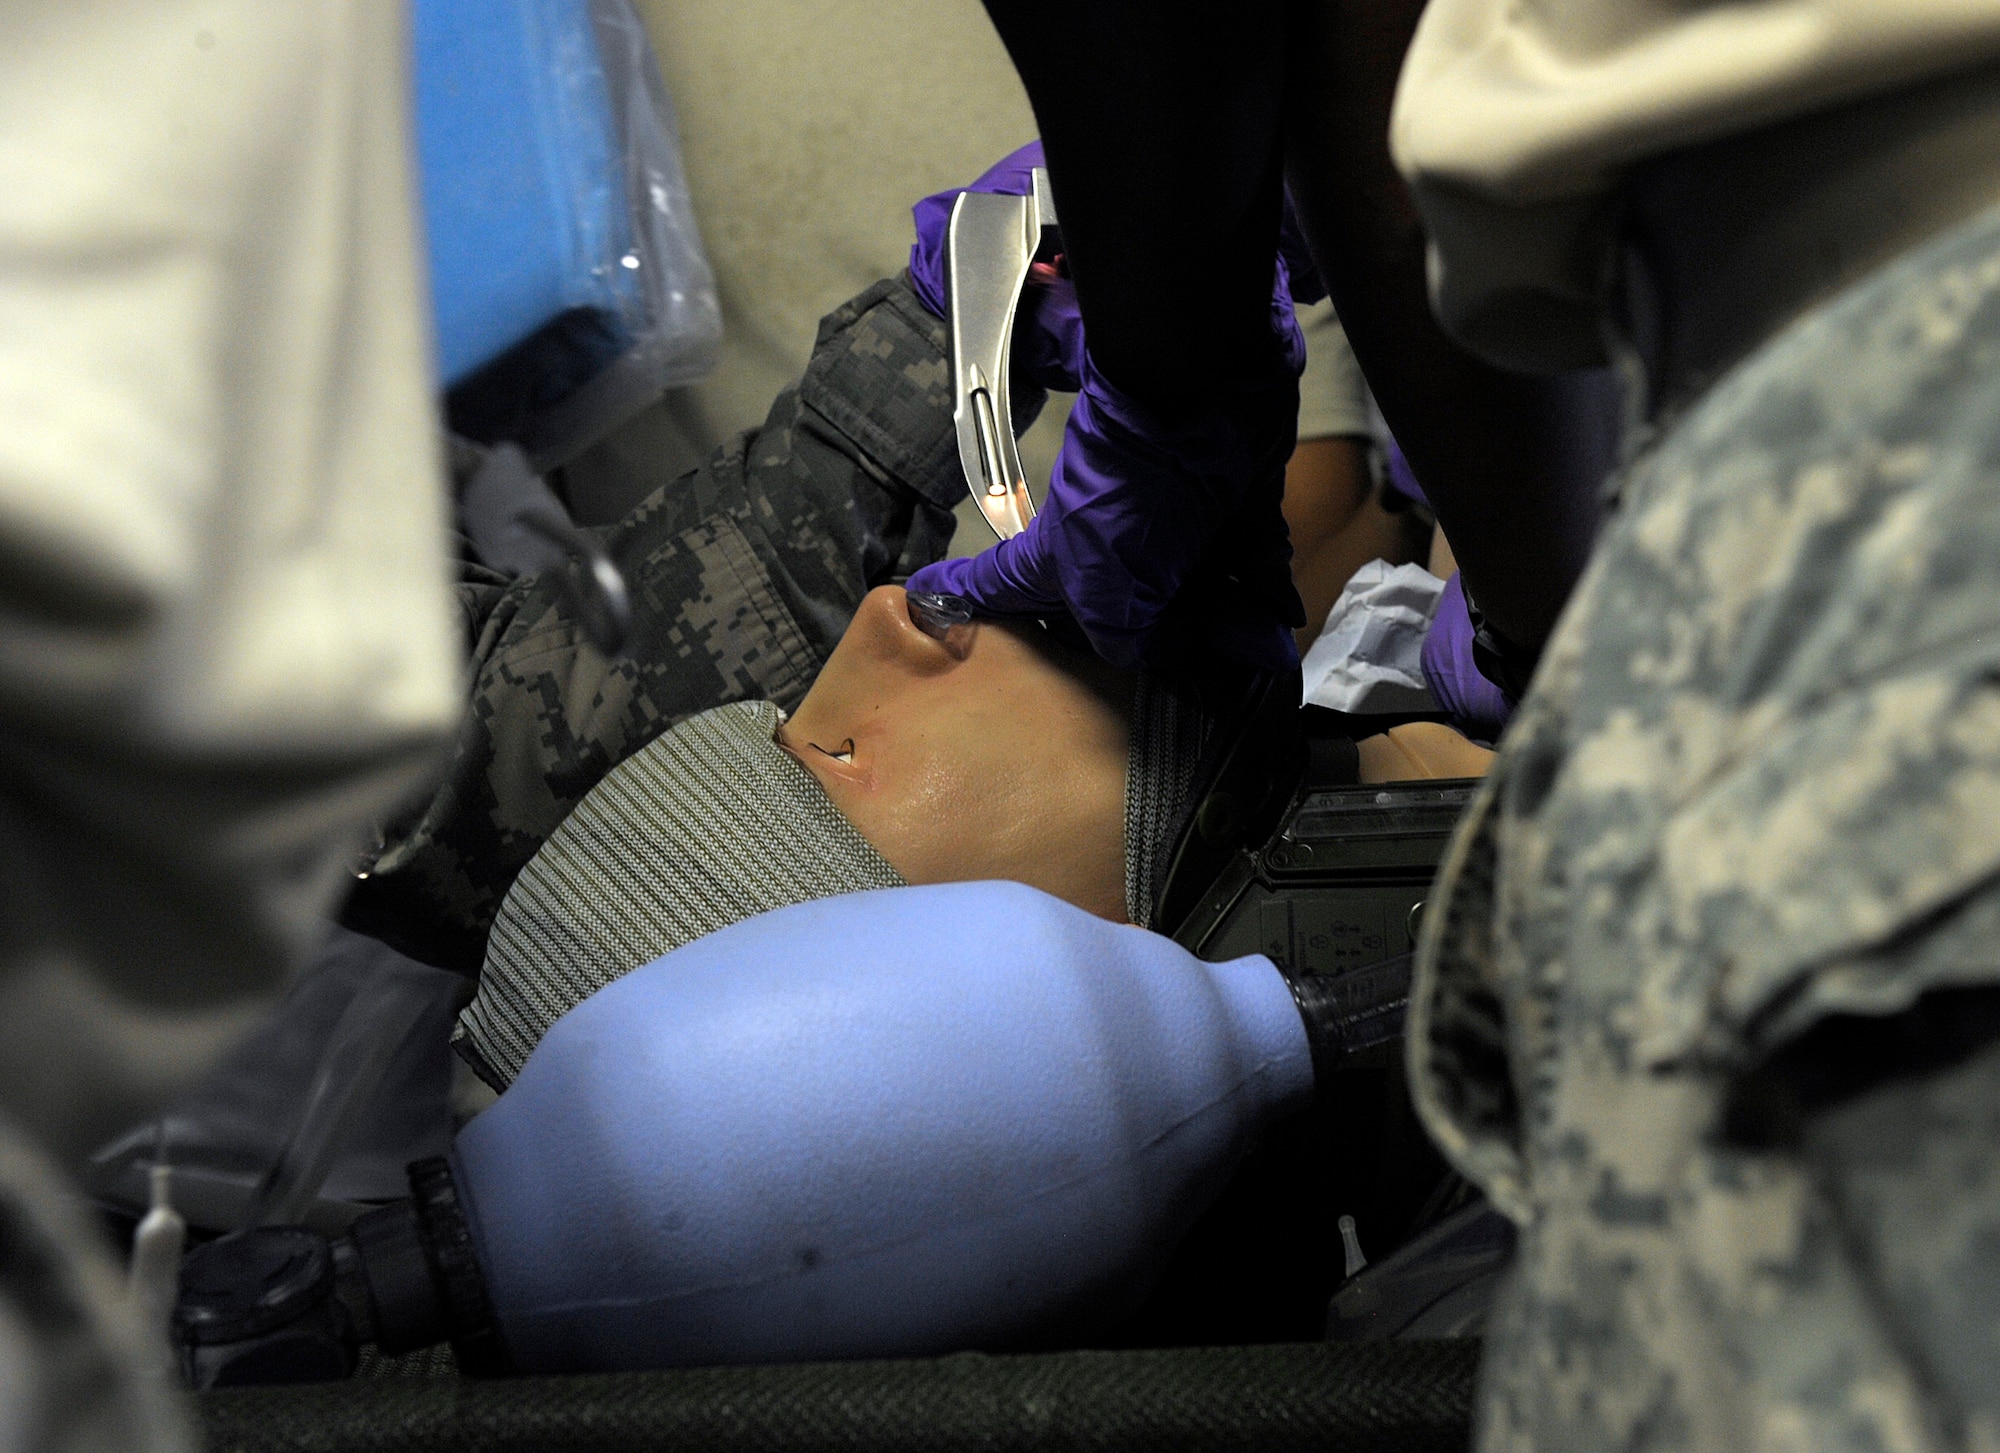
(523, 191)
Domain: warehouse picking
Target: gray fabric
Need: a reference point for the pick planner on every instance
(226, 644)
(1333, 396)
(79, 1372)
(1168, 737)
(709, 824)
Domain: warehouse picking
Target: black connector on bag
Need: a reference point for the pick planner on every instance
(258, 1306)
(1348, 1012)
(282, 1304)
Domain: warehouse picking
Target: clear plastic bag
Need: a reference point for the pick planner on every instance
(569, 277)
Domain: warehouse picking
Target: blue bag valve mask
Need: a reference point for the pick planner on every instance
(894, 1123)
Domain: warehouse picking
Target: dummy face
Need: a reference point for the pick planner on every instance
(1005, 761)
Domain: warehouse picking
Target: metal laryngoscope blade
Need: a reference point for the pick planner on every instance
(990, 243)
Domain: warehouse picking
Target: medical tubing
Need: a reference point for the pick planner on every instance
(1322, 1035)
(364, 1043)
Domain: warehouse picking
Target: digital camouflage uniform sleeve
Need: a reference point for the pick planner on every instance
(743, 573)
(1710, 1003)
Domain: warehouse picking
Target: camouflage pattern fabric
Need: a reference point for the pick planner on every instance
(744, 575)
(1707, 1001)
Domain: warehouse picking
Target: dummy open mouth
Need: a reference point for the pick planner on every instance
(946, 619)
(842, 753)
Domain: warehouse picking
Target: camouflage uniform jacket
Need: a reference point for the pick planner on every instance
(743, 573)
(1707, 1003)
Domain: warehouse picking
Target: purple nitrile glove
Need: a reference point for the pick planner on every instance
(1477, 707)
(1141, 505)
(1011, 176)
(1145, 510)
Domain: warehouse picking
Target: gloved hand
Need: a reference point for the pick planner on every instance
(1161, 536)
(1478, 707)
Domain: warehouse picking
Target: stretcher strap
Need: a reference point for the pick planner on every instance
(1383, 1397)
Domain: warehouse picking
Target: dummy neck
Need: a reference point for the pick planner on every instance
(1727, 243)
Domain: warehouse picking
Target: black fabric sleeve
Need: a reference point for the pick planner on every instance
(1160, 120)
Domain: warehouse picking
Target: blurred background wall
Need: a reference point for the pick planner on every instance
(808, 128)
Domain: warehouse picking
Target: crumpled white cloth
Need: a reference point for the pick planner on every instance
(1369, 655)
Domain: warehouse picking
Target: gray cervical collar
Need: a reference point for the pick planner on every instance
(714, 822)
(711, 823)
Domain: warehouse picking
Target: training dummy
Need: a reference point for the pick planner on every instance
(596, 816)
(746, 576)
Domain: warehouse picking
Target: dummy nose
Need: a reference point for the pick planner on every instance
(916, 633)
